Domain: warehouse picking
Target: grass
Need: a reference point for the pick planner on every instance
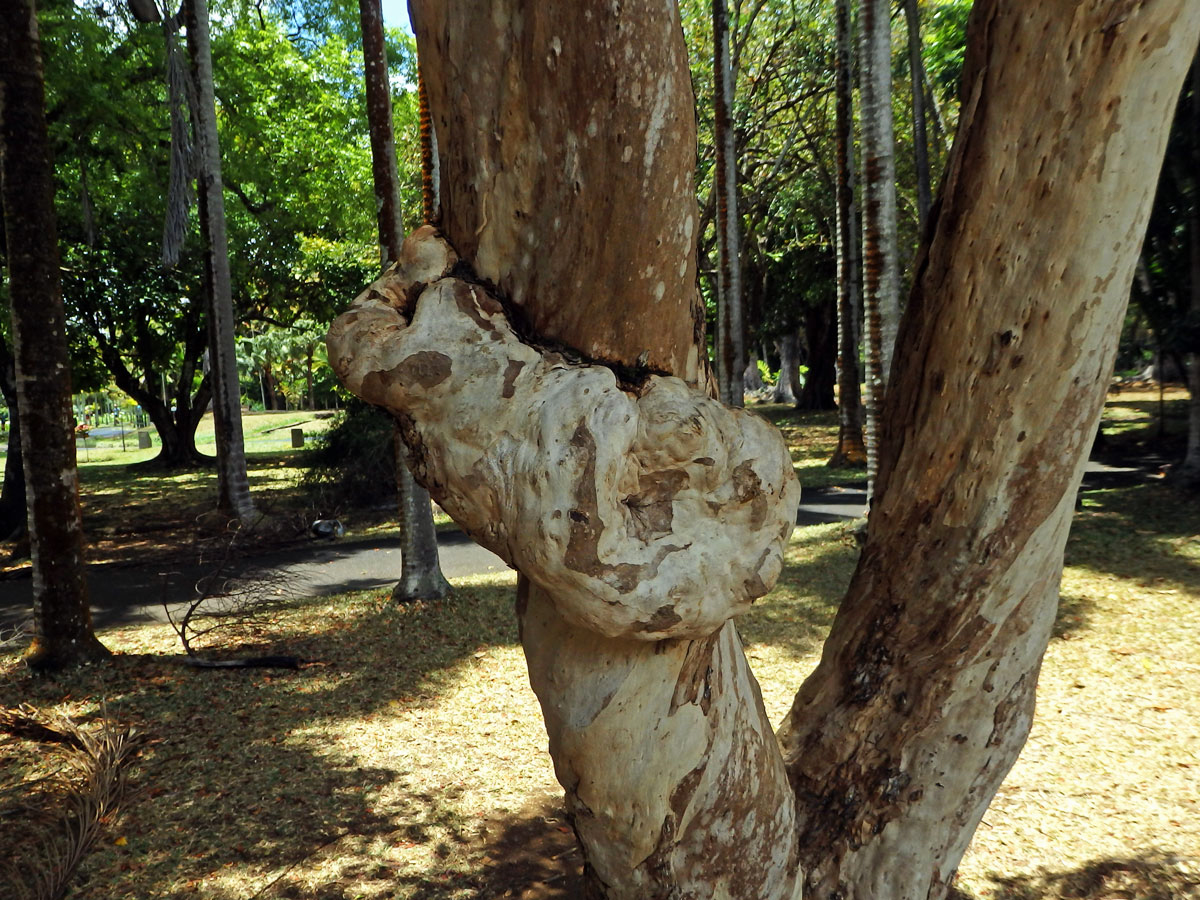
(407, 758)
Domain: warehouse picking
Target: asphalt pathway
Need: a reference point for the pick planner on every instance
(123, 594)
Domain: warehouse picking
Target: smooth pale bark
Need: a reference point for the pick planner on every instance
(233, 485)
(881, 277)
(420, 569)
(925, 689)
(916, 69)
(62, 618)
(731, 332)
(642, 519)
(566, 145)
(851, 449)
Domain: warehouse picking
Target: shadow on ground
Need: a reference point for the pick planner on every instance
(1145, 877)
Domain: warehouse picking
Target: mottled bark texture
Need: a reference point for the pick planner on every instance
(420, 569)
(233, 485)
(61, 615)
(642, 515)
(925, 689)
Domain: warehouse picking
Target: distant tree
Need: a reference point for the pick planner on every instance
(731, 329)
(881, 274)
(421, 574)
(63, 633)
(851, 449)
(233, 485)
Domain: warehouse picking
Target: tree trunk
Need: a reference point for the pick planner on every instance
(731, 331)
(1190, 470)
(233, 485)
(787, 388)
(12, 499)
(820, 325)
(920, 141)
(62, 617)
(420, 570)
(643, 516)
(880, 269)
(851, 448)
(925, 689)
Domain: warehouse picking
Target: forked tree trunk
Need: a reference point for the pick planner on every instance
(643, 516)
(233, 485)
(851, 449)
(420, 569)
(880, 268)
(61, 615)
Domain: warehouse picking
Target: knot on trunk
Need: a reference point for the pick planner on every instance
(650, 513)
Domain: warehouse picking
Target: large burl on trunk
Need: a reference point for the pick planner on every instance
(542, 352)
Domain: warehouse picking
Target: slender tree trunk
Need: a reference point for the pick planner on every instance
(62, 617)
(880, 270)
(732, 330)
(420, 574)
(233, 485)
(787, 388)
(920, 140)
(925, 689)
(851, 449)
(643, 516)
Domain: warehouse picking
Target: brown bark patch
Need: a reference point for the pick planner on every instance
(510, 377)
(748, 489)
(427, 368)
(650, 509)
(692, 684)
(583, 554)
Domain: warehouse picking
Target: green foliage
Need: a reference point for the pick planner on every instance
(352, 464)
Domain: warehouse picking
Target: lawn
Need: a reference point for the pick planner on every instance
(406, 757)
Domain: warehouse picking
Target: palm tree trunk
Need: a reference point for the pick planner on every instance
(920, 139)
(880, 274)
(851, 449)
(420, 573)
(62, 616)
(731, 333)
(233, 485)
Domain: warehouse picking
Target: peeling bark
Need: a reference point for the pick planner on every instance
(642, 516)
(649, 510)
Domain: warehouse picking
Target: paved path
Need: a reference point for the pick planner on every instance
(123, 594)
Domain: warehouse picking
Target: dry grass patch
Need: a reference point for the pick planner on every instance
(407, 757)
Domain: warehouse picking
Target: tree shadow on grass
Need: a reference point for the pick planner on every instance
(243, 774)
(1150, 876)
